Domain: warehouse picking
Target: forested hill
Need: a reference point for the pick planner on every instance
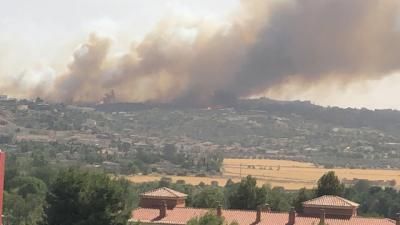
(386, 120)
(259, 128)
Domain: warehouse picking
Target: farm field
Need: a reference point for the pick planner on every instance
(288, 174)
(188, 179)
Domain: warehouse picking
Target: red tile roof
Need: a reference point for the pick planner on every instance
(327, 201)
(183, 215)
(164, 193)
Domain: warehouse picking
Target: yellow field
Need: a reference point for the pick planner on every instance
(288, 174)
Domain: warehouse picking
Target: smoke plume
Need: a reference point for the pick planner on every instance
(265, 44)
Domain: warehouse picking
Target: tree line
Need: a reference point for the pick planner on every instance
(39, 193)
(374, 201)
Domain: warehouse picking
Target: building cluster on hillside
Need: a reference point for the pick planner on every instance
(167, 206)
(231, 133)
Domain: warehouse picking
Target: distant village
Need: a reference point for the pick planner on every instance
(223, 133)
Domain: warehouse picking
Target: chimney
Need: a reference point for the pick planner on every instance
(292, 217)
(163, 209)
(322, 217)
(258, 215)
(398, 219)
(219, 210)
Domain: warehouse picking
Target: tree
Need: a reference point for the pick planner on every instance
(39, 100)
(46, 173)
(209, 219)
(84, 198)
(329, 184)
(170, 152)
(23, 203)
(23, 211)
(362, 186)
(39, 159)
(229, 183)
(278, 199)
(209, 197)
(247, 195)
(25, 186)
(165, 182)
(302, 196)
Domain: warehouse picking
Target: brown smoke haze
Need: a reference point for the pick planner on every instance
(266, 44)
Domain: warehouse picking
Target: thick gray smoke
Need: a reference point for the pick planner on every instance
(313, 40)
(265, 44)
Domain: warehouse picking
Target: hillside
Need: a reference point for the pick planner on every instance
(330, 136)
(259, 128)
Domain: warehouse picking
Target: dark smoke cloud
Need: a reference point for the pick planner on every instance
(266, 43)
(312, 40)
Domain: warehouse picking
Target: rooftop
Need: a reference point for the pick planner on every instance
(163, 193)
(333, 209)
(330, 201)
(183, 215)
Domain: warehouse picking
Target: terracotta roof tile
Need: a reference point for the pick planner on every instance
(183, 215)
(330, 201)
(164, 192)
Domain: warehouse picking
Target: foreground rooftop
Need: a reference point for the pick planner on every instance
(183, 215)
(332, 210)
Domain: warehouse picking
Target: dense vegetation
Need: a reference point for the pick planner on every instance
(85, 198)
(40, 193)
(257, 128)
(44, 140)
(374, 201)
(209, 219)
(134, 160)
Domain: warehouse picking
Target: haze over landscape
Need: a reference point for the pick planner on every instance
(331, 52)
(199, 112)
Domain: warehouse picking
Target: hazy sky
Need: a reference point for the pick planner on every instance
(48, 30)
(39, 36)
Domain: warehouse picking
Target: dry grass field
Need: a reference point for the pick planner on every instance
(188, 179)
(288, 174)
